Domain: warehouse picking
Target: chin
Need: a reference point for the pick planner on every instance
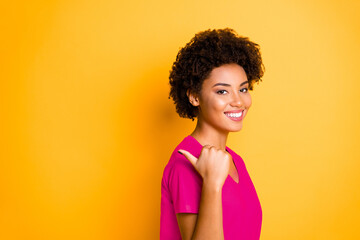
(236, 129)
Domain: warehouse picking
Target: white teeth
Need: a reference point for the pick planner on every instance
(234, 114)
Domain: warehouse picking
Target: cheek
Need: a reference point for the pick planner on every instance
(219, 104)
(214, 104)
(248, 101)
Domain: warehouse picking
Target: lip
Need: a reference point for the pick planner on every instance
(235, 111)
(236, 119)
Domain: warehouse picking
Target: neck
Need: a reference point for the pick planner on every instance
(208, 135)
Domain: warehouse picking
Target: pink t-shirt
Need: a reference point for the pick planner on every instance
(181, 192)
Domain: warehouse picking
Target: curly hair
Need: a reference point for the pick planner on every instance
(207, 50)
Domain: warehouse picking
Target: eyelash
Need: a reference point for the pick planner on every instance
(219, 92)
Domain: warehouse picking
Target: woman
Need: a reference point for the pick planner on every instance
(206, 191)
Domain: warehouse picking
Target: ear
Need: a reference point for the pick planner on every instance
(193, 98)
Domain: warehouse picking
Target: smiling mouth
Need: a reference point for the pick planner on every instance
(235, 116)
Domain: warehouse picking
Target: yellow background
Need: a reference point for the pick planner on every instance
(87, 128)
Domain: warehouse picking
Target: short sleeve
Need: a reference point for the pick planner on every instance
(185, 186)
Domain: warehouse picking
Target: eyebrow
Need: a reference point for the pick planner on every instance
(228, 85)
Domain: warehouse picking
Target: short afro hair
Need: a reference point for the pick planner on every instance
(207, 50)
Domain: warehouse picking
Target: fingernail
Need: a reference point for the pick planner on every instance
(180, 152)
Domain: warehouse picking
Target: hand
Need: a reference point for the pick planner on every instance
(213, 164)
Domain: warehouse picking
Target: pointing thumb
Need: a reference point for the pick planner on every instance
(188, 156)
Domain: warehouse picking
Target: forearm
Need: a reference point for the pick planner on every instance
(209, 224)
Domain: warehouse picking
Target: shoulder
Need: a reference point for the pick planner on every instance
(178, 166)
(189, 144)
(181, 169)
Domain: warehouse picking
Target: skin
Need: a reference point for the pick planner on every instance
(214, 163)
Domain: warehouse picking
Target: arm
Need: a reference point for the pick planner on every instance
(213, 165)
(208, 223)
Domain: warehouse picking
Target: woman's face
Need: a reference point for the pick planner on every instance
(224, 98)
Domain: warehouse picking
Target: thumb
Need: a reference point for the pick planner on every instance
(188, 156)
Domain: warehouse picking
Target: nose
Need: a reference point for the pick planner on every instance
(236, 100)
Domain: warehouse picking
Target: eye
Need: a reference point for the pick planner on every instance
(221, 92)
(244, 90)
